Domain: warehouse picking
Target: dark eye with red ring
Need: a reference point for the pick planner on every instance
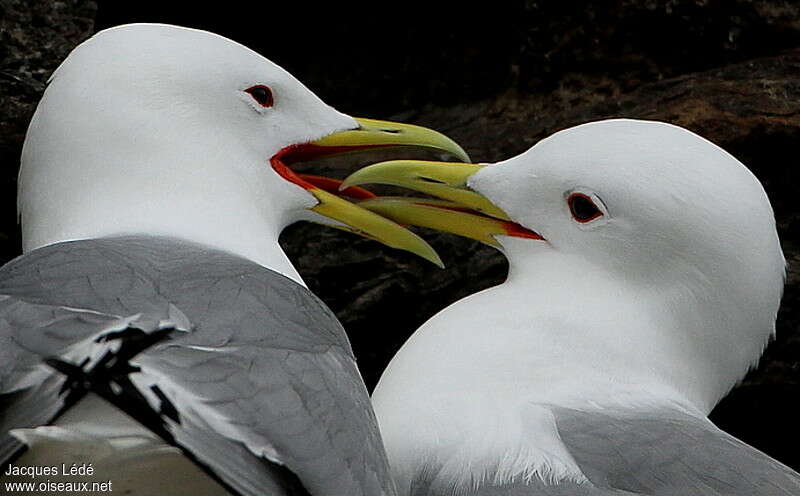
(582, 208)
(261, 94)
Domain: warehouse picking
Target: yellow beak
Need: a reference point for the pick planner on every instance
(382, 134)
(372, 225)
(351, 217)
(445, 180)
(463, 211)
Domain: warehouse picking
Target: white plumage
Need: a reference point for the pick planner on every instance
(662, 302)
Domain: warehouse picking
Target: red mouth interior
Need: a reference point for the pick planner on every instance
(299, 153)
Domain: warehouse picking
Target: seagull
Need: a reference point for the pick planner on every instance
(645, 275)
(153, 332)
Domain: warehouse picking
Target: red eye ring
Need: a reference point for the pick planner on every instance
(583, 208)
(262, 95)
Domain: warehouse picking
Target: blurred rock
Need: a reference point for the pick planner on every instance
(639, 41)
(34, 37)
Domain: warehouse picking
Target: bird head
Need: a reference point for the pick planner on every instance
(158, 129)
(650, 207)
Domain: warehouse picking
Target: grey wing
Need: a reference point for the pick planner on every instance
(668, 452)
(287, 377)
(260, 386)
(655, 453)
(542, 489)
(32, 393)
(521, 488)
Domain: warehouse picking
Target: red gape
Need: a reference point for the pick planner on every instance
(310, 181)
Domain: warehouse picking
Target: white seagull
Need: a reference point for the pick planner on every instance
(153, 318)
(645, 274)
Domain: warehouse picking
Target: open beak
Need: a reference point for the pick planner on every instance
(332, 195)
(461, 211)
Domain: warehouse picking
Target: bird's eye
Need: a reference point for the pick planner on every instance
(582, 208)
(261, 94)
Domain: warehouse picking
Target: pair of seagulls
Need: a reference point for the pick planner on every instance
(155, 328)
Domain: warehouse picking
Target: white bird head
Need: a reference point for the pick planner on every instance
(616, 210)
(158, 129)
(645, 201)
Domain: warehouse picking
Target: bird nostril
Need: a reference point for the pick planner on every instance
(430, 180)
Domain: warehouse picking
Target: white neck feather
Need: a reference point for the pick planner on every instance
(471, 387)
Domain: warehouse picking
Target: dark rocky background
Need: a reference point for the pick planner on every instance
(497, 79)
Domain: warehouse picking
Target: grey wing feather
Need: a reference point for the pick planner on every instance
(265, 371)
(36, 405)
(663, 452)
(29, 390)
(521, 488)
(668, 452)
